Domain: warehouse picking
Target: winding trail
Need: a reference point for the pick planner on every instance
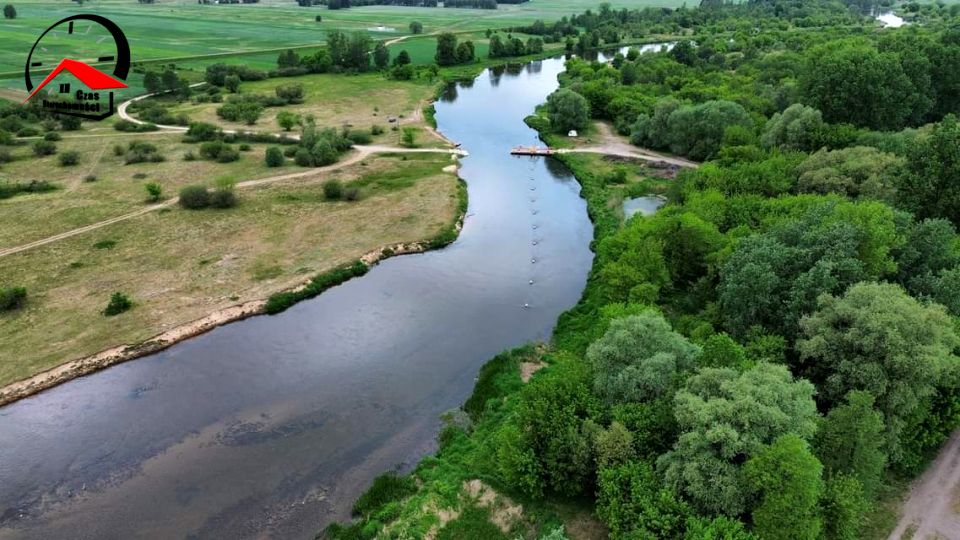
(361, 152)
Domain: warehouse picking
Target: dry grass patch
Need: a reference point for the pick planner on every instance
(178, 265)
(118, 188)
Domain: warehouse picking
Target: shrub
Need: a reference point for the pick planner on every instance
(227, 155)
(358, 136)
(189, 156)
(223, 198)
(9, 189)
(119, 150)
(27, 132)
(409, 137)
(128, 126)
(332, 190)
(119, 303)
(281, 301)
(142, 152)
(154, 191)
(69, 158)
(244, 147)
(201, 131)
(44, 148)
(90, 178)
(194, 197)
(274, 157)
(5, 156)
(12, 298)
(351, 194)
(303, 158)
(51, 136)
(376, 129)
(290, 151)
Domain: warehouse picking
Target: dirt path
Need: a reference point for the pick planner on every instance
(930, 510)
(360, 153)
(612, 144)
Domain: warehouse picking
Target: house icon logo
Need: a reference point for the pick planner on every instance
(81, 86)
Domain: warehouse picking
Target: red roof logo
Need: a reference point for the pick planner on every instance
(90, 76)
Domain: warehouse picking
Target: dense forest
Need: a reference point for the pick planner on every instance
(765, 354)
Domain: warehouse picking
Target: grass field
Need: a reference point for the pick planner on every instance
(181, 29)
(360, 100)
(179, 265)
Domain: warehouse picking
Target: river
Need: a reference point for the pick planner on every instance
(270, 427)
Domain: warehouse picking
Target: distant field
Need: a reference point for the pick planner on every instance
(180, 29)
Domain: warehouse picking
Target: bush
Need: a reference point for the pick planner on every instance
(194, 197)
(12, 298)
(9, 189)
(44, 148)
(51, 136)
(119, 303)
(154, 191)
(303, 158)
(223, 197)
(128, 126)
(142, 152)
(244, 147)
(201, 131)
(351, 194)
(376, 129)
(228, 155)
(358, 136)
(281, 301)
(274, 157)
(290, 151)
(27, 132)
(90, 178)
(119, 150)
(70, 158)
(332, 190)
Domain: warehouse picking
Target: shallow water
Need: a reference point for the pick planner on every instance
(645, 206)
(891, 20)
(270, 427)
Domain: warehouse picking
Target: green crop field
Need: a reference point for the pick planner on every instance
(183, 30)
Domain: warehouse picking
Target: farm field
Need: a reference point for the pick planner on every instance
(179, 265)
(181, 30)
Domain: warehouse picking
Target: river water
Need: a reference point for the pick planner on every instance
(270, 427)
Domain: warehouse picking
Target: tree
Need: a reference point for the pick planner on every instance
(844, 508)
(381, 55)
(416, 27)
(274, 157)
(408, 137)
(568, 110)
(154, 191)
(633, 504)
(639, 359)
(931, 186)
(152, 82)
(718, 528)
(446, 49)
(786, 476)
(465, 52)
(697, 130)
(852, 82)
(878, 339)
(9, 12)
(402, 58)
(613, 446)
(545, 445)
(232, 83)
(850, 441)
(796, 128)
(288, 120)
(725, 418)
(288, 59)
(170, 80)
(858, 171)
(12, 298)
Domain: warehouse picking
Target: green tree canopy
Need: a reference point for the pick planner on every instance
(568, 110)
(877, 338)
(725, 418)
(786, 476)
(639, 358)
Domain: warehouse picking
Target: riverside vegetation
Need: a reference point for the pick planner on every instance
(774, 352)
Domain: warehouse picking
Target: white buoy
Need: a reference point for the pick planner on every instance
(533, 261)
(534, 242)
(531, 282)
(526, 306)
